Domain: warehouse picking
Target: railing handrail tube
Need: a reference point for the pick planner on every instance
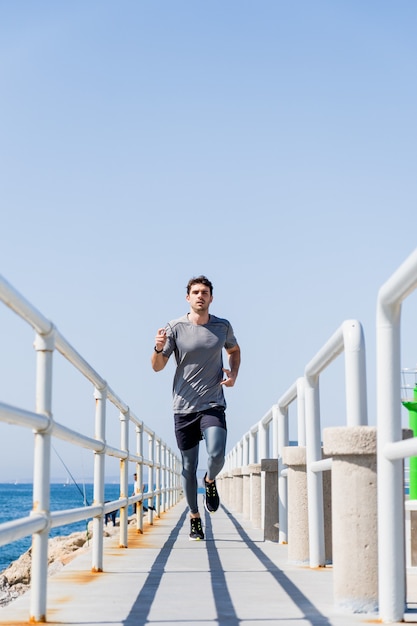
(15, 301)
(41, 520)
(399, 450)
(267, 418)
(321, 466)
(391, 561)
(69, 516)
(348, 338)
(12, 415)
(327, 353)
(22, 527)
(288, 396)
(42, 423)
(71, 354)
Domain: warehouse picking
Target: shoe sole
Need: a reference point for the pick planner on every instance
(205, 501)
(208, 510)
(206, 507)
(196, 538)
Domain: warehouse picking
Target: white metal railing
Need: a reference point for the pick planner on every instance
(162, 464)
(348, 338)
(391, 449)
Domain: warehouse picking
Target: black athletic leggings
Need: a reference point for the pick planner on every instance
(215, 438)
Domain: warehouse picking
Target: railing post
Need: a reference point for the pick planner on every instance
(391, 560)
(263, 442)
(232, 460)
(282, 480)
(158, 477)
(245, 450)
(44, 346)
(124, 479)
(151, 472)
(239, 454)
(355, 374)
(174, 490)
(263, 446)
(252, 448)
(99, 461)
(176, 479)
(170, 479)
(139, 476)
(164, 478)
(314, 479)
(301, 413)
(275, 433)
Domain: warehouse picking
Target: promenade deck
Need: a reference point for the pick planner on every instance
(233, 578)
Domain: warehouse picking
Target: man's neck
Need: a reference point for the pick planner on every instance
(197, 318)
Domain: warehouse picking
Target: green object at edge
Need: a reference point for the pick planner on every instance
(412, 420)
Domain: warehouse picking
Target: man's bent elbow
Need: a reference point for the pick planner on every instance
(158, 366)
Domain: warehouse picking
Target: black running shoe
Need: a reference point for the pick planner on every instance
(211, 499)
(196, 532)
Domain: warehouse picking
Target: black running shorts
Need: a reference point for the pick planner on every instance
(189, 427)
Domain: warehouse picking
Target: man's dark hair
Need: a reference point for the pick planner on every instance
(199, 280)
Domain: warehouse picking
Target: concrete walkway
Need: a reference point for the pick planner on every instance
(233, 578)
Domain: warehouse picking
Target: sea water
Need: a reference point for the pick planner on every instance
(16, 501)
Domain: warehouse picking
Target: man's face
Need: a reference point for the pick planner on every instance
(199, 298)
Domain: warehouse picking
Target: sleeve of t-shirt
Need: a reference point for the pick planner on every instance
(231, 340)
(170, 342)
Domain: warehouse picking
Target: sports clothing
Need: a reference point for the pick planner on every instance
(196, 529)
(215, 439)
(189, 427)
(198, 353)
(211, 496)
(198, 398)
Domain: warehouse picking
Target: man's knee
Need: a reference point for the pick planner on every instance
(217, 456)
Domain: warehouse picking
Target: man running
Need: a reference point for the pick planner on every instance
(197, 340)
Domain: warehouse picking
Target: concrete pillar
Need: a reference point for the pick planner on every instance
(222, 484)
(413, 538)
(298, 540)
(227, 487)
(255, 494)
(354, 499)
(271, 528)
(246, 504)
(328, 515)
(252, 493)
(237, 486)
(298, 546)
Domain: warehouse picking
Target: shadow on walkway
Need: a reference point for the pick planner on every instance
(139, 613)
(225, 611)
(311, 614)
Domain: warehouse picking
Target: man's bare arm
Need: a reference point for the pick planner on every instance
(158, 360)
(234, 364)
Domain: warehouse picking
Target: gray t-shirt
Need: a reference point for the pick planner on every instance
(198, 353)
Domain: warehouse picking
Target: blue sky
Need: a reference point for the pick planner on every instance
(270, 145)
